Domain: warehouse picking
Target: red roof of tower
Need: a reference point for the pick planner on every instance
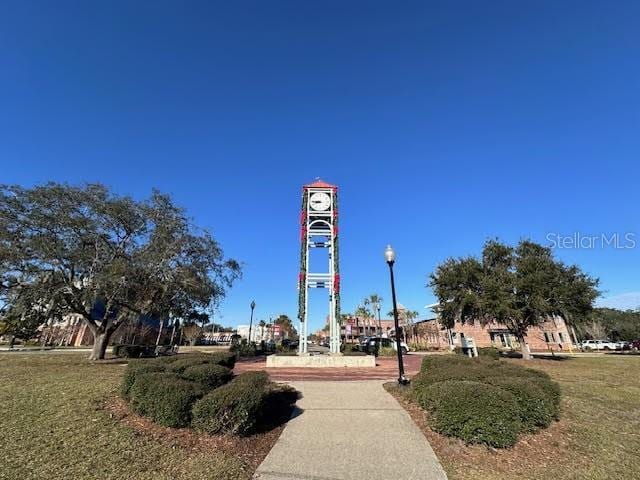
(319, 183)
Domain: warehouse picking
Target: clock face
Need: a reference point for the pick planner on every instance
(320, 201)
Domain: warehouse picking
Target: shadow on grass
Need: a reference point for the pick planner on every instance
(280, 407)
(554, 358)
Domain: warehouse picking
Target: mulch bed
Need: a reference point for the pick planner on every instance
(251, 449)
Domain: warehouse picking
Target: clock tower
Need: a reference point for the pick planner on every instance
(319, 229)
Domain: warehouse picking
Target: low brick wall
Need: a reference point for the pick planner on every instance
(320, 361)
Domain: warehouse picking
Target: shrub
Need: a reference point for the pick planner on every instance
(164, 398)
(135, 368)
(435, 361)
(511, 369)
(354, 353)
(552, 390)
(257, 378)
(234, 408)
(535, 406)
(208, 375)
(349, 347)
(536, 396)
(244, 349)
(226, 359)
(165, 359)
(489, 352)
(474, 412)
(386, 352)
(133, 351)
(440, 371)
(181, 364)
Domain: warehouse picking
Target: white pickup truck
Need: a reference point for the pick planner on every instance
(600, 345)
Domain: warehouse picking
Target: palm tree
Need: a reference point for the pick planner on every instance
(262, 324)
(365, 314)
(375, 301)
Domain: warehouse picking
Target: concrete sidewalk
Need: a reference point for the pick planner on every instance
(349, 430)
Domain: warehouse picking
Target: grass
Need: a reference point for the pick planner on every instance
(598, 436)
(53, 426)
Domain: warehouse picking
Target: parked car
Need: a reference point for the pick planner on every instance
(290, 344)
(600, 345)
(370, 345)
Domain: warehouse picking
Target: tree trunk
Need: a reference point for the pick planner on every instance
(159, 332)
(523, 348)
(100, 342)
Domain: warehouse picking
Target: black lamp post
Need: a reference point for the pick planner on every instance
(390, 257)
(253, 306)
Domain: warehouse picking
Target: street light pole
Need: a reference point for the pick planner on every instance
(390, 257)
(253, 306)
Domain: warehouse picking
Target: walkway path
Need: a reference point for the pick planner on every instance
(349, 430)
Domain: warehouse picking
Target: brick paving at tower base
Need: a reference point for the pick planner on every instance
(386, 369)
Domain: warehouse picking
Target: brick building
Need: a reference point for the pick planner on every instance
(552, 335)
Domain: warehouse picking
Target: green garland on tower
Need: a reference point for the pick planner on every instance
(302, 288)
(336, 263)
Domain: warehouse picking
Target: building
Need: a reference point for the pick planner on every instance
(552, 335)
(71, 331)
(256, 334)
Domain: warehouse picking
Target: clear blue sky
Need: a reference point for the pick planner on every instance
(443, 123)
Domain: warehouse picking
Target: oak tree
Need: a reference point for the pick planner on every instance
(520, 287)
(86, 251)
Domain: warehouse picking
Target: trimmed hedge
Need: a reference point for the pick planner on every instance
(536, 396)
(165, 398)
(244, 349)
(474, 412)
(207, 375)
(444, 360)
(489, 352)
(226, 359)
(234, 408)
(133, 351)
(135, 368)
(535, 406)
(257, 378)
(178, 364)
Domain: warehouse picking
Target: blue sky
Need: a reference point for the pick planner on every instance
(443, 124)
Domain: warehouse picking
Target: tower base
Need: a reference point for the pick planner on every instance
(320, 361)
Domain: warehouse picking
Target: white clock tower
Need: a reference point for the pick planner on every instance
(319, 229)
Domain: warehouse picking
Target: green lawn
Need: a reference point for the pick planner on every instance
(598, 436)
(602, 409)
(53, 427)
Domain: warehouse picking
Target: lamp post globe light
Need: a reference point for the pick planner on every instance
(253, 306)
(390, 258)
